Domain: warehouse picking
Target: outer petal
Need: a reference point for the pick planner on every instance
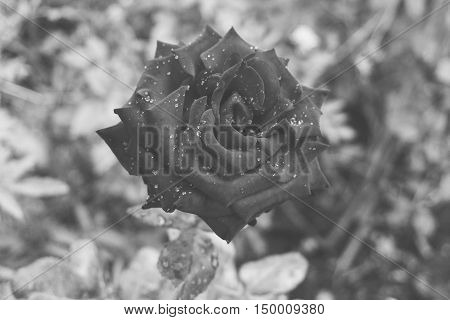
(228, 191)
(161, 77)
(189, 56)
(318, 181)
(248, 208)
(214, 58)
(316, 97)
(119, 141)
(164, 177)
(164, 49)
(290, 88)
(164, 191)
(167, 122)
(220, 219)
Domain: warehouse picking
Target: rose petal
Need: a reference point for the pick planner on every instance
(230, 138)
(290, 88)
(206, 83)
(231, 61)
(196, 110)
(234, 110)
(189, 56)
(317, 180)
(214, 58)
(273, 114)
(229, 191)
(218, 217)
(167, 114)
(164, 49)
(250, 87)
(270, 80)
(223, 84)
(163, 191)
(227, 161)
(314, 96)
(226, 227)
(168, 111)
(161, 77)
(118, 140)
(303, 114)
(284, 61)
(248, 208)
(307, 152)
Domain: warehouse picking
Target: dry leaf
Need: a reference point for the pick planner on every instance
(274, 274)
(38, 187)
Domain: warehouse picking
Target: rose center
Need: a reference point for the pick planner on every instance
(236, 112)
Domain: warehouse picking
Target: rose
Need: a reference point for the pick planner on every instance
(246, 131)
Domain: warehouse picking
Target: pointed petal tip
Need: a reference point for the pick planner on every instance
(207, 28)
(104, 133)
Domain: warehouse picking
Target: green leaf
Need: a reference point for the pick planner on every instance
(190, 262)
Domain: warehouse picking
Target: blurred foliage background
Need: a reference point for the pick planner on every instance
(387, 120)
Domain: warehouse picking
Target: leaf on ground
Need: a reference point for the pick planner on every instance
(14, 170)
(443, 193)
(43, 296)
(141, 280)
(85, 263)
(10, 205)
(6, 274)
(443, 71)
(6, 291)
(274, 274)
(87, 118)
(40, 187)
(49, 276)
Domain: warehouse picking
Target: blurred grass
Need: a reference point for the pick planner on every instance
(387, 120)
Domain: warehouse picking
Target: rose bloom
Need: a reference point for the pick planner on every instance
(220, 129)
